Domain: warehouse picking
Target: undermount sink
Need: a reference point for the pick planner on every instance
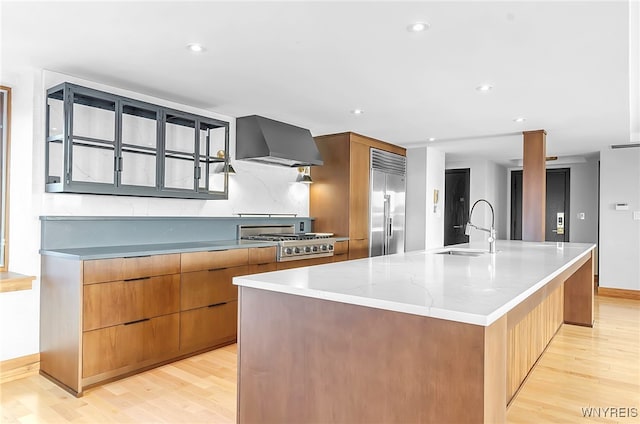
(461, 252)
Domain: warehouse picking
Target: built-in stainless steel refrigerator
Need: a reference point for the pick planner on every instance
(386, 203)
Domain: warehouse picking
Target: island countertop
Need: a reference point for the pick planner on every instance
(469, 289)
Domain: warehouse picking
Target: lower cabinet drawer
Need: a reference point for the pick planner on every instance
(341, 257)
(204, 288)
(258, 268)
(205, 327)
(119, 302)
(110, 348)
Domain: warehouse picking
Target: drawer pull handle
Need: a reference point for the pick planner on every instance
(136, 257)
(216, 304)
(218, 250)
(137, 321)
(138, 279)
(216, 269)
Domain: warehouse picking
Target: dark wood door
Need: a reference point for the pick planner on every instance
(456, 205)
(557, 209)
(557, 205)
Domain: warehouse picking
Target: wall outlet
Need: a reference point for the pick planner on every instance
(636, 215)
(581, 215)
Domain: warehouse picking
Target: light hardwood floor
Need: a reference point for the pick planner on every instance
(581, 368)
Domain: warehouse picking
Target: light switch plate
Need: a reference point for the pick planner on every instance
(636, 215)
(581, 215)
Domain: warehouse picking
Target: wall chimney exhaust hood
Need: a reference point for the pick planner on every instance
(264, 140)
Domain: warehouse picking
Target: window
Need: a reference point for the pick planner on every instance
(5, 120)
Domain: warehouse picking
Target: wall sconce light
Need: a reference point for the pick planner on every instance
(303, 175)
(226, 168)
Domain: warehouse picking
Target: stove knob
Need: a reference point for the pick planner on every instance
(288, 251)
(330, 247)
(315, 248)
(307, 249)
(324, 247)
(296, 250)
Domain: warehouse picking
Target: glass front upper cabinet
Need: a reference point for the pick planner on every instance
(101, 143)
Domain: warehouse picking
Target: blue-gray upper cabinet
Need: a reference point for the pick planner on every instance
(102, 143)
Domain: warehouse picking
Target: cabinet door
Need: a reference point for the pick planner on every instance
(358, 249)
(262, 255)
(359, 191)
(161, 295)
(112, 303)
(258, 268)
(209, 326)
(102, 270)
(111, 348)
(161, 337)
(205, 288)
(341, 247)
(137, 163)
(218, 259)
(126, 345)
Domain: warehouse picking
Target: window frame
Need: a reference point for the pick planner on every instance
(5, 144)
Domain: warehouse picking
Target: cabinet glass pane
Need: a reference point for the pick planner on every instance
(94, 118)
(139, 146)
(180, 135)
(138, 169)
(212, 140)
(92, 163)
(56, 117)
(178, 173)
(179, 161)
(55, 131)
(139, 127)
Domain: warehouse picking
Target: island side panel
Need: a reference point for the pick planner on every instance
(579, 295)
(309, 360)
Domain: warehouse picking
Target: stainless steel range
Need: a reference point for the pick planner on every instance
(291, 245)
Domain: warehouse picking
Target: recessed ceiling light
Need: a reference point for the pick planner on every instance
(357, 111)
(484, 88)
(418, 27)
(195, 47)
(520, 119)
(432, 139)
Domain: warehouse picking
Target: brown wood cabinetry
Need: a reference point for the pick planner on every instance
(107, 318)
(339, 200)
(341, 251)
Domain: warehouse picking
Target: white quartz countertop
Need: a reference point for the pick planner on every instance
(470, 289)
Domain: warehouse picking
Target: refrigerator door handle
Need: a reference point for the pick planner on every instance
(390, 227)
(387, 207)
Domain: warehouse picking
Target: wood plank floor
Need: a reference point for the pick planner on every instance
(581, 368)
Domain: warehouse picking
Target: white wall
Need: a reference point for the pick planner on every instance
(619, 233)
(488, 181)
(425, 172)
(255, 188)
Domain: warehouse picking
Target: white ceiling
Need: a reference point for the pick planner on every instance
(565, 66)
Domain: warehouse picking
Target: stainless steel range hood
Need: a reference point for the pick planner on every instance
(264, 140)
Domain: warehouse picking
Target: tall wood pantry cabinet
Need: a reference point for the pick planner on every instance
(339, 197)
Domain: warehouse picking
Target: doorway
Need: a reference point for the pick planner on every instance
(456, 205)
(557, 205)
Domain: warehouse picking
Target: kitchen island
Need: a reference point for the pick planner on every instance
(447, 335)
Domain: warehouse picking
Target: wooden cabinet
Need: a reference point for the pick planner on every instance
(208, 298)
(340, 199)
(262, 259)
(341, 251)
(103, 319)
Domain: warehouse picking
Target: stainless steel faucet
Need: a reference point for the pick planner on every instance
(491, 231)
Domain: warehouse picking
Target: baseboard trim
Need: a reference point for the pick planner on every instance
(16, 368)
(620, 293)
